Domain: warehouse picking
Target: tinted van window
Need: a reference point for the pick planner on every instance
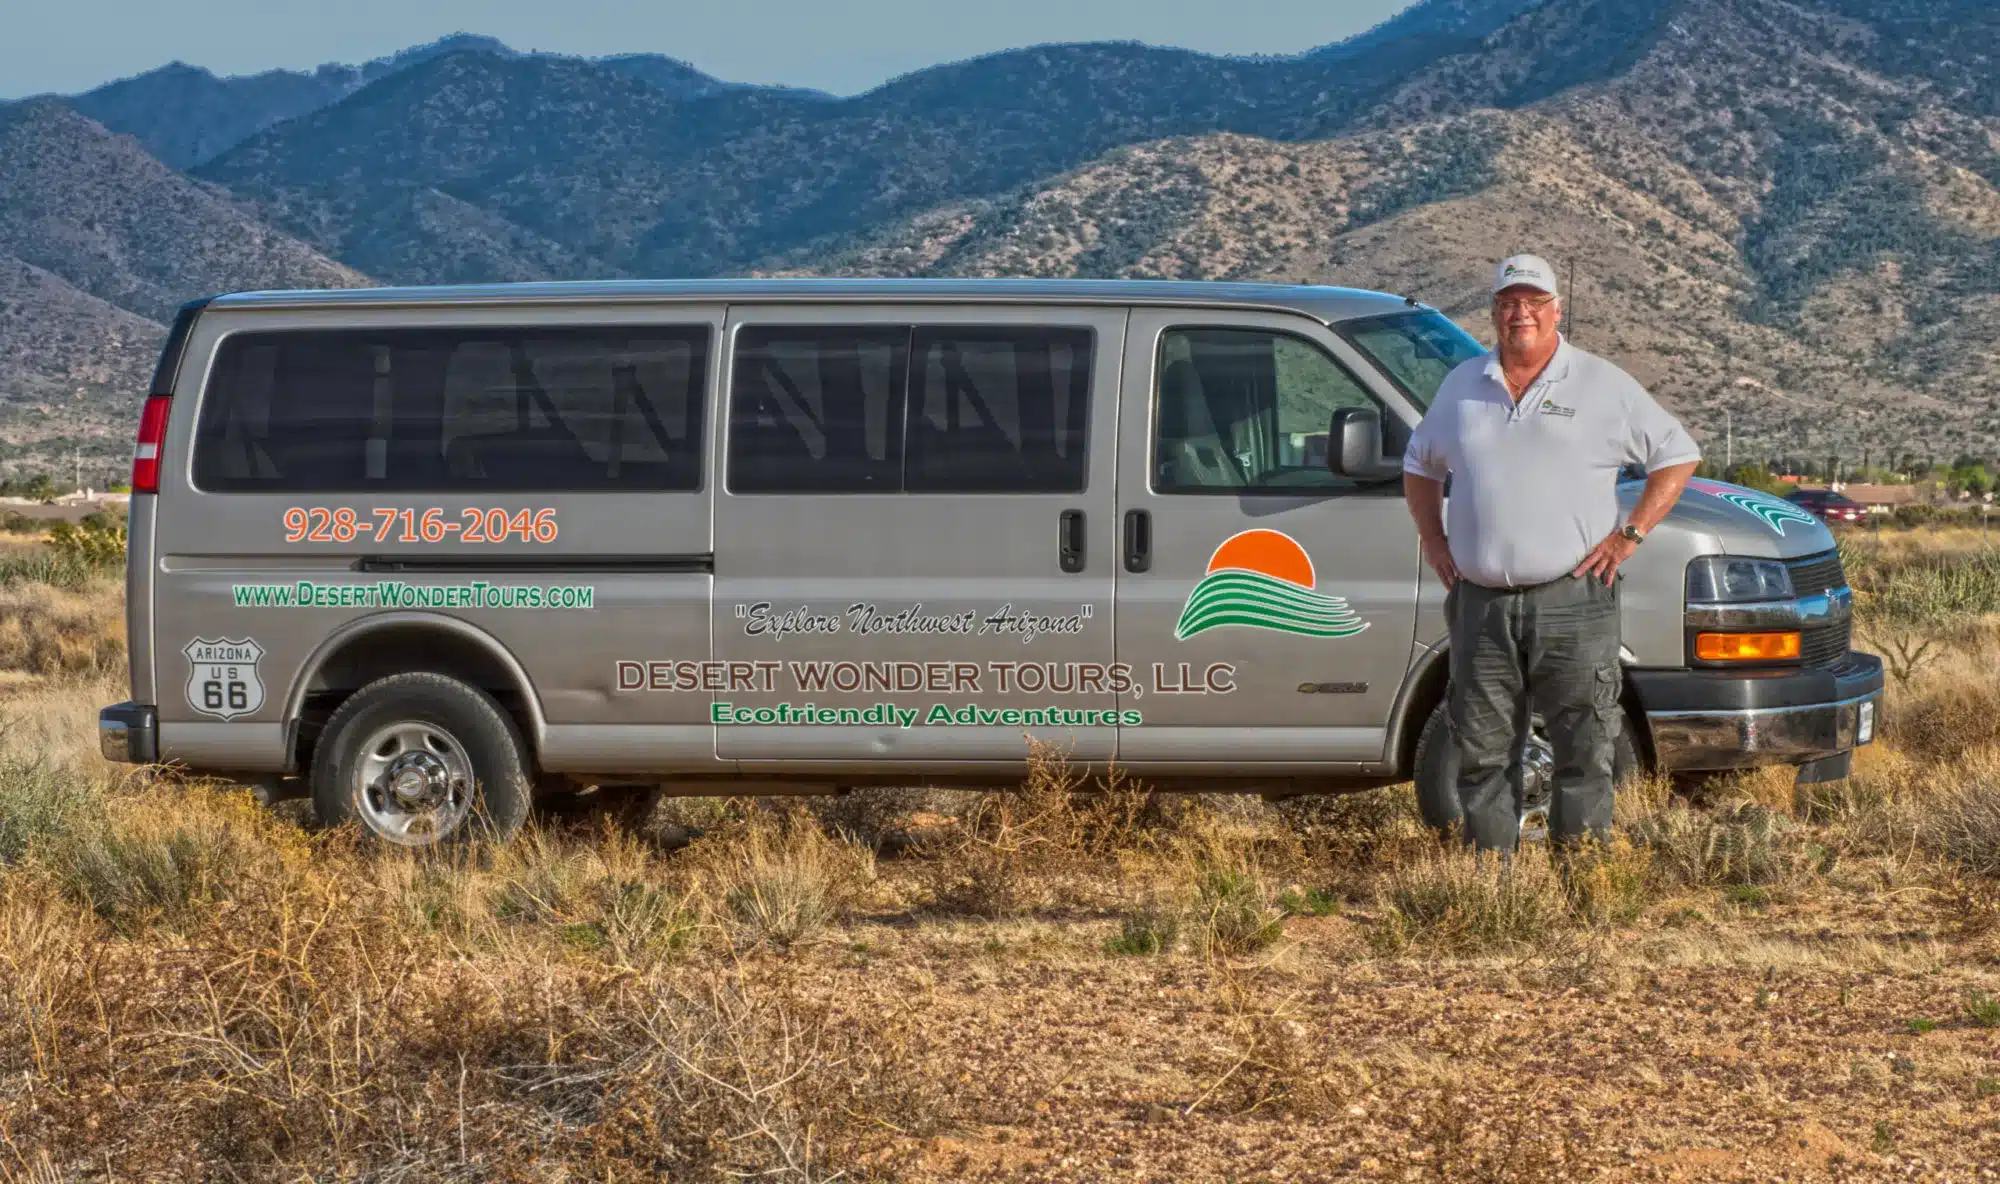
(998, 410)
(817, 409)
(1248, 410)
(509, 410)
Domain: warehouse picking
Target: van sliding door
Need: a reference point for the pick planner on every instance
(914, 544)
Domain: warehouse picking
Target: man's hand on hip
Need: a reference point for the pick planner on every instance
(1603, 560)
(1437, 553)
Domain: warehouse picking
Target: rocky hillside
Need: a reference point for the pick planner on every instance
(1782, 213)
(99, 243)
(1768, 213)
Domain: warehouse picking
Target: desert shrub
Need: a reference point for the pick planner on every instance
(48, 629)
(39, 802)
(1234, 912)
(1941, 719)
(780, 879)
(541, 877)
(736, 1079)
(1915, 514)
(881, 817)
(1152, 927)
(164, 859)
(1738, 843)
(1354, 831)
(1039, 847)
(1274, 1063)
(1962, 824)
(1452, 899)
(1608, 884)
(96, 541)
(645, 922)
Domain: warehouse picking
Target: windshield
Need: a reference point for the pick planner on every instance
(1416, 349)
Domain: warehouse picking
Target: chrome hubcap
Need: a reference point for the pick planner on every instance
(413, 783)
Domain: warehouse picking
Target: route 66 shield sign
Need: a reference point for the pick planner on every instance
(222, 677)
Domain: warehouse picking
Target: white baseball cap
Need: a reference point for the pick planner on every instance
(1525, 270)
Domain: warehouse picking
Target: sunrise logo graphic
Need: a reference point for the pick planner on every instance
(1263, 579)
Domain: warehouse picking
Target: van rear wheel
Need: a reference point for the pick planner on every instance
(421, 759)
(1435, 769)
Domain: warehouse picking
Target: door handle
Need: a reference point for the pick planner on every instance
(1138, 540)
(1069, 545)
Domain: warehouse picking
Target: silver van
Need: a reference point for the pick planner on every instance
(425, 553)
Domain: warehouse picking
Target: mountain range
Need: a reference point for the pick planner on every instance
(1783, 215)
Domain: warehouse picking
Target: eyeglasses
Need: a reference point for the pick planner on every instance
(1532, 303)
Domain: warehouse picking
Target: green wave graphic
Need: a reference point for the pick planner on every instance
(1256, 601)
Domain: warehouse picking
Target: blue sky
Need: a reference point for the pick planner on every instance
(844, 46)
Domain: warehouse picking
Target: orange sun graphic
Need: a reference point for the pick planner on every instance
(1267, 552)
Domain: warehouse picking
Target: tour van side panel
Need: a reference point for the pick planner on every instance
(515, 491)
(940, 596)
(1268, 605)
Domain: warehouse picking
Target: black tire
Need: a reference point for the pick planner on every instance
(1435, 769)
(486, 741)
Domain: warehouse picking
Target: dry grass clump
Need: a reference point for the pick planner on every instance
(780, 879)
(1352, 834)
(40, 800)
(1044, 846)
(1962, 824)
(1453, 899)
(48, 630)
(736, 1079)
(1953, 711)
(1234, 912)
(163, 856)
(1275, 1063)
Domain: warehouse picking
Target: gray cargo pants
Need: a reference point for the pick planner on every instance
(1551, 648)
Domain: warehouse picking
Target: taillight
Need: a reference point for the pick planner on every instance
(152, 438)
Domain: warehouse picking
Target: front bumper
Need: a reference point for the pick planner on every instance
(129, 733)
(1710, 720)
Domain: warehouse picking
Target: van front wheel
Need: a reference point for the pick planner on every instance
(1435, 769)
(421, 759)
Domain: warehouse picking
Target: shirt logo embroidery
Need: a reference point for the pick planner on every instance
(1549, 408)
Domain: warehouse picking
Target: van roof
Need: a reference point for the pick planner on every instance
(1326, 303)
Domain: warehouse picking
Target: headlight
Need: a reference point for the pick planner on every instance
(1728, 579)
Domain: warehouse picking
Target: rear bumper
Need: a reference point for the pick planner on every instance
(129, 733)
(1707, 720)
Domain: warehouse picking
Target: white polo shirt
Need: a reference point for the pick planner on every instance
(1534, 484)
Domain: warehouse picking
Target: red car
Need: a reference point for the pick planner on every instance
(1832, 508)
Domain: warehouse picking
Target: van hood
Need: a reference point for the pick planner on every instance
(1739, 521)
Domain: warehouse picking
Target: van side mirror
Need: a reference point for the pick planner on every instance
(1354, 446)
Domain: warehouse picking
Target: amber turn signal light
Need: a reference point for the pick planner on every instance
(1746, 647)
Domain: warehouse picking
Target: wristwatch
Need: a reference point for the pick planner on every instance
(1631, 533)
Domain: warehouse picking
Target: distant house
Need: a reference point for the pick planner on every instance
(1883, 498)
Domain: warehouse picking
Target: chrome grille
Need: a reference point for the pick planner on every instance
(1811, 575)
(1814, 574)
(1824, 646)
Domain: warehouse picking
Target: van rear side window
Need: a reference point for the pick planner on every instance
(505, 410)
(912, 409)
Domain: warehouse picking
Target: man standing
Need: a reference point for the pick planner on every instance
(1532, 437)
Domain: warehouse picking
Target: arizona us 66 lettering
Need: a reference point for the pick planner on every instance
(344, 524)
